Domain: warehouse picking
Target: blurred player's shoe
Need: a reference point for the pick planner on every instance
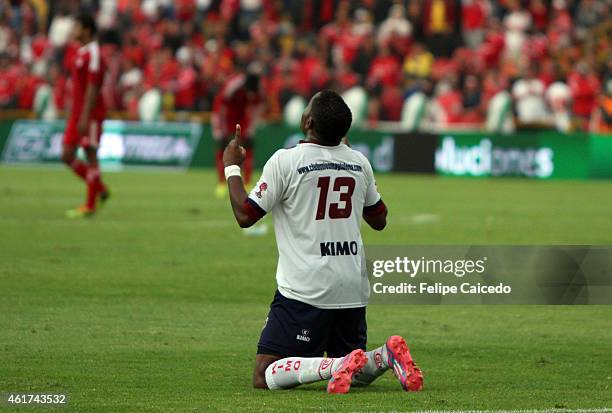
(80, 212)
(257, 230)
(342, 378)
(408, 374)
(104, 196)
(221, 190)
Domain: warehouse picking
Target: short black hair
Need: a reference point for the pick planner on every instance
(331, 117)
(87, 21)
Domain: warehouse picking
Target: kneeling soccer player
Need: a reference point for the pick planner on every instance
(317, 192)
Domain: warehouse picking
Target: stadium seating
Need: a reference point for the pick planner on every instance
(390, 49)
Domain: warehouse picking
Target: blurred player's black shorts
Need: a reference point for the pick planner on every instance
(298, 329)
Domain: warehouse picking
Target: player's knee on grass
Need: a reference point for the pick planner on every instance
(262, 362)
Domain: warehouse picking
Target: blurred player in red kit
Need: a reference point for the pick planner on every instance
(239, 102)
(84, 126)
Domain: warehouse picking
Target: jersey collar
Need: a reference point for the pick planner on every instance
(318, 144)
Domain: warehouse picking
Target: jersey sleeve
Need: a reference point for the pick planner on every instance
(269, 190)
(373, 204)
(372, 195)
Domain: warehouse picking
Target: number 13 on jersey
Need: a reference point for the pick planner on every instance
(345, 185)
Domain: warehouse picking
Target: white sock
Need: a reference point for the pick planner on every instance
(377, 364)
(293, 371)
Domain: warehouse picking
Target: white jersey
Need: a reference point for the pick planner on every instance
(316, 195)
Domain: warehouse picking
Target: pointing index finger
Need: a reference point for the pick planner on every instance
(237, 134)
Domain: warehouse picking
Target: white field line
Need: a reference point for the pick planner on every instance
(419, 219)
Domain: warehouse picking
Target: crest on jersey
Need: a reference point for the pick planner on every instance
(262, 187)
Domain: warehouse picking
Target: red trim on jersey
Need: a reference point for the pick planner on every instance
(378, 208)
(253, 210)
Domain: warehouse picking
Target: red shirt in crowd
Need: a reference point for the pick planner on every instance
(452, 105)
(185, 9)
(9, 77)
(307, 70)
(348, 44)
(384, 69)
(492, 49)
(347, 79)
(474, 15)
(539, 14)
(161, 72)
(391, 103)
(28, 84)
(185, 96)
(584, 93)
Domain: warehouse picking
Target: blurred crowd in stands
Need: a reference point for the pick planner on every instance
(548, 56)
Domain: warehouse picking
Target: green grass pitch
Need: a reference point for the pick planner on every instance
(157, 303)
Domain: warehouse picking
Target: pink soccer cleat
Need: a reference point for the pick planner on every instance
(403, 366)
(342, 378)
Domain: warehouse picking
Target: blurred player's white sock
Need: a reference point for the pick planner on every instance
(377, 364)
(292, 371)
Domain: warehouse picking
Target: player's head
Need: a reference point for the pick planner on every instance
(85, 28)
(326, 118)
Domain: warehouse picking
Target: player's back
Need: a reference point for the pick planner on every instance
(317, 195)
(88, 67)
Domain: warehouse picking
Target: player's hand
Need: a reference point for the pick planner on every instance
(82, 126)
(234, 153)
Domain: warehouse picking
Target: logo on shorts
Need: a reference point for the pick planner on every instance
(303, 336)
(262, 187)
(265, 323)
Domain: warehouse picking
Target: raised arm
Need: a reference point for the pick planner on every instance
(233, 156)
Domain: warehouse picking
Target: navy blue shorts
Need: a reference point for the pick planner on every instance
(297, 329)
